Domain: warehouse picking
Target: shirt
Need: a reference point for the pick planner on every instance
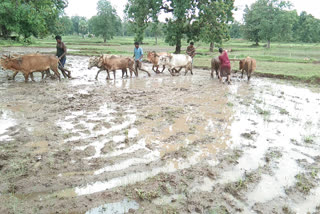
(138, 52)
(191, 51)
(224, 60)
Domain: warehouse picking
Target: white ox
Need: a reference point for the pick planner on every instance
(175, 62)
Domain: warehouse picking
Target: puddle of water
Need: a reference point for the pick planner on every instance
(5, 123)
(115, 208)
(310, 204)
(132, 178)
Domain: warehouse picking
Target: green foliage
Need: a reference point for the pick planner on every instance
(235, 30)
(29, 18)
(307, 28)
(214, 17)
(63, 26)
(139, 13)
(83, 27)
(75, 21)
(107, 22)
(195, 20)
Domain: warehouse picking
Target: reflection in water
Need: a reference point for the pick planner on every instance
(5, 123)
(115, 208)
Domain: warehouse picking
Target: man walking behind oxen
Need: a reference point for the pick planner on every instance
(191, 51)
(225, 67)
(61, 54)
(138, 55)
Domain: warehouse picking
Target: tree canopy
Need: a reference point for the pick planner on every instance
(204, 20)
(29, 17)
(106, 23)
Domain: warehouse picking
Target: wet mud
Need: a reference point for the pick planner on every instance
(159, 144)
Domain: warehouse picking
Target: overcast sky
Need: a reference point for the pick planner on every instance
(88, 8)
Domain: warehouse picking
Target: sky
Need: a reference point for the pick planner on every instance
(86, 9)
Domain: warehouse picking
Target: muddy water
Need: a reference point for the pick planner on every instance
(158, 144)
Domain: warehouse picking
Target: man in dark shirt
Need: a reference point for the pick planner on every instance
(61, 54)
(225, 67)
(191, 51)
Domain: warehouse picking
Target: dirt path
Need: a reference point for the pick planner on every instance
(158, 145)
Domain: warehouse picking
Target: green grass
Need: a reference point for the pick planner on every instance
(297, 61)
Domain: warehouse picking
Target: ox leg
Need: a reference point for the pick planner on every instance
(249, 74)
(114, 74)
(212, 70)
(171, 72)
(140, 67)
(153, 66)
(98, 73)
(241, 74)
(31, 76)
(163, 68)
(56, 72)
(14, 75)
(26, 77)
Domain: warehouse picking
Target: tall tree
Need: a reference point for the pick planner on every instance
(75, 21)
(214, 18)
(83, 27)
(187, 18)
(139, 13)
(30, 17)
(261, 19)
(107, 22)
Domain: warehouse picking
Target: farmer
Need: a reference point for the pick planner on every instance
(138, 55)
(225, 66)
(61, 54)
(191, 51)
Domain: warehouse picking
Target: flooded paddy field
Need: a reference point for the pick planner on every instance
(159, 144)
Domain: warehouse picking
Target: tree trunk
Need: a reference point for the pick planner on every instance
(178, 49)
(104, 40)
(211, 46)
(156, 38)
(268, 45)
(178, 46)
(257, 43)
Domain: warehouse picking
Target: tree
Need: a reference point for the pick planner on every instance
(75, 21)
(307, 28)
(139, 13)
(63, 26)
(214, 18)
(106, 23)
(30, 17)
(83, 27)
(235, 30)
(261, 20)
(189, 18)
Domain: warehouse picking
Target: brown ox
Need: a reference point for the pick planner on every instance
(95, 61)
(112, 63)
(27, 64)
(215, 66)
(153, 57)
(249, 65)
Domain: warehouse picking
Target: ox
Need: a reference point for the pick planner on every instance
(215, 66)
(175, 62)
(249, 65)
(111, 63)
(27, 64)
(94, 62)
(153, 57)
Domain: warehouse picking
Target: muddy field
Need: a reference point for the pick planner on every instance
(159, 144)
